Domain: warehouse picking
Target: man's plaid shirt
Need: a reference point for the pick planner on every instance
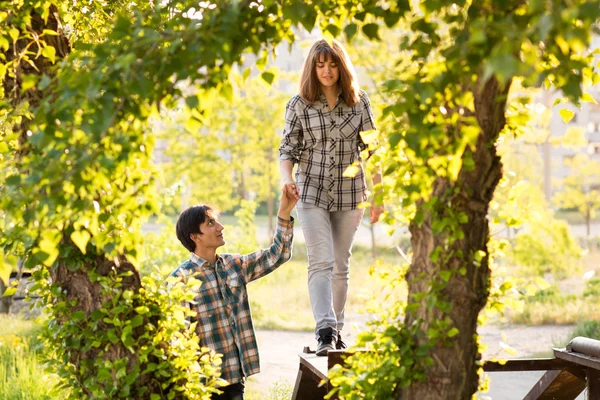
(222, 308)
(324, 142)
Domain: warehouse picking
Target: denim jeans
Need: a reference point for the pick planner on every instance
(329, 236)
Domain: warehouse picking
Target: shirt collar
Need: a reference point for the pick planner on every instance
(323, 99)
(201, 262)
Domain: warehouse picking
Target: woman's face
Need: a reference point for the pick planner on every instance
(327, 71)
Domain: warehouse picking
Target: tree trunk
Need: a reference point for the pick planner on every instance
(5, 302)
(454, 373)
(373, 241)
(89, 297)
(75, 283)
(588, 222)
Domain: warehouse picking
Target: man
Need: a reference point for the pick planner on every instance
(224, 322)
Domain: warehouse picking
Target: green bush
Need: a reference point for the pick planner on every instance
(592, 288)
(589, 329)
(163, 358)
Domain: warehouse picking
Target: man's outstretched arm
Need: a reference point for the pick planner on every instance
(260, 263)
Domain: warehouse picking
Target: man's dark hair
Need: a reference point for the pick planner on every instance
(189, 222)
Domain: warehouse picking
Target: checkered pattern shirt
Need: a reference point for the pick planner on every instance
(221, 305)
(324, 142)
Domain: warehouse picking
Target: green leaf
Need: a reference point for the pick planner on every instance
(14, 34)
(350, 31)
(9, 291)
(78, 315)
(309, 18)
(268, 77)
(137, 321)
(29, 81)
(192, 102)
(395, 139)
(50, 53)
(227, 91)
(81, 239)
(587, 98)
(246, 74)
(334, 30)
(3, 147)
(446, 275)
(371, 31)
(142, 310)
(4, 43)
(566, 114)
(453, 332)
(391, 18)
(5, 269)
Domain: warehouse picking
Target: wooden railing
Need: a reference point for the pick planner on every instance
(569, 373)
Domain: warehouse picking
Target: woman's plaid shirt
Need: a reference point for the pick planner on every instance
(324, 142)
(222, 308)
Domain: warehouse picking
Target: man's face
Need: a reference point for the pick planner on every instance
(212, 233)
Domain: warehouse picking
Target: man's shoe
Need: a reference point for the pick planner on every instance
(326, 341)
(339, 343)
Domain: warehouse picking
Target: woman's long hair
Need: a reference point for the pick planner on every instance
(309, 83)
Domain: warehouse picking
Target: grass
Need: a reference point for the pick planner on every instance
(280, 390)
(288, 286)
(22, 376)
(553, 307)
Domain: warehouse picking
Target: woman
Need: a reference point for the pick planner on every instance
(322, 136)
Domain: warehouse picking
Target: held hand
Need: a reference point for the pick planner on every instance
(289, 198)
(376, 211)
(290, 188)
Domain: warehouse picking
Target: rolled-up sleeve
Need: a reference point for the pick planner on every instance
(367, 120)
(262, 262)
(291, 142)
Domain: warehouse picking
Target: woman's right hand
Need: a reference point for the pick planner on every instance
(291, 189)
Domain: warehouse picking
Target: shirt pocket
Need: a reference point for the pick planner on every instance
(236, 286)
(313, 126)
(350, 125)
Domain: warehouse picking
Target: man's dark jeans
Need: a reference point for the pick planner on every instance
(230, 392)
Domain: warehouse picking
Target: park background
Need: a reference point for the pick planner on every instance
(544, 214)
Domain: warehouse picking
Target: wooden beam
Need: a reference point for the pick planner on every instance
(557, 385)
(578, 358)
(593, 382)
(308, 383)
(526, 364)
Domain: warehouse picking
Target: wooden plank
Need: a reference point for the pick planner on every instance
(308, 384)
(297, 384)
(317, 365)
(593, 382)
(526, 364)
(578, 358)
(556, 385)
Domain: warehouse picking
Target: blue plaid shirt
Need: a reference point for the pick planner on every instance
(221, 305)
